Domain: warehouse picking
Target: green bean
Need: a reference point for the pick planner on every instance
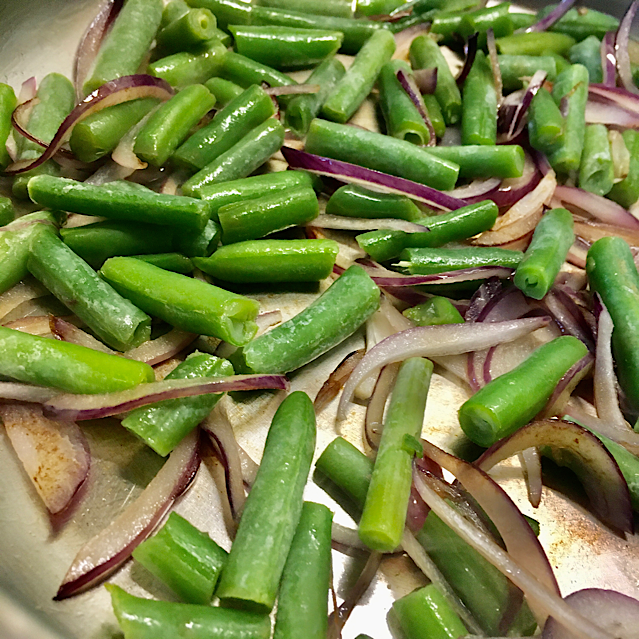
(351, 90)
(8, 103)
(515, 67)
(626, 192)
(355, 201)
(380, 152)
(426, 261)
(335, 8)
(496, 18)
(127, 43)
(303, 599)
(588, 53)
(172, 11)
(7, 211)
(446, 24)
(15, 243)
(560, 61)
(450, 227)
(245, 72)
(150, 619)
(377, 7)
(596, 170)
(271, 261)
(286, 48)
(328, 321)
(169, 126)
(119, 200)
(224, 91)
(613, 274)
(69, 367)
(479, 109)
(201, 244)
(168, 261)
(426, 613)
(182, 301)
(272, 510)
(434, 312)
(97, 135)
(511, 400)
(478, 161)
(226, 11)
(241, 159)
(190, 67)
(572, 86)
(546, 253)
(545, 122)
(538, 43)
(382, 523)
(163, 425)
(185, 559)
(274, 212)
(582, 23)
(193, 28)
(113, 319)
(403, 119)
(251, 188)
(301, 110)
(435, 115)
(522, 20)
(250, 109)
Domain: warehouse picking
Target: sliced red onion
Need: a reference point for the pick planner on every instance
(449, 277)
(26, 392)
(434, 341)
(124, 89)
(614, 95)
(603, 112)
(352, 173)
(593, 231)
(34, 325)
(345, 223)
(123, 153)
(346, 539)
(67, 332)
(578, 252)
(484, 295)
(408, 84)
(80, 407)
(159, 350)
(609, 60)
(55, 455)
(621, 47)
(597, 470)
(477, 189)
(511, 117)
(374, 421)
(336, 380)
(293, 89)
(404, 38)
(531, 465)
(108, 172)
(28, 90)
(91, 41)
(494, 65)
(567, 384)
(426, 80)
(470, 50)
(568, 316)
(554, 16)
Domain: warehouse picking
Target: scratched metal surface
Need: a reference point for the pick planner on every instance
(37, 37)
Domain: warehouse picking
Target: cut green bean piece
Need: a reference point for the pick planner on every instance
(435, 115)
(479, 109)
(189, 30)
(256, 218)
(480, 161)
(382, 523)
(381, 153)
(426, 261)
(588, 53)
(245, 72)
(328, 321)
(336, 8)
(516, 67)
(169, 126)
(111, 317)
(150, 619)
(496, 18)
(172, 11)
(7, 211)
(582, 22)
(377, 7)
(201, 244)
(351, 90)
(435, 312)
(244, 157)
(546, 253)
(301, 110)
(356, 201)
(224, 91)
(271, 261)
(545, 122)
(426, 613)
(596, 171)
(272, 511)
(522, 20)
(511, 400)
(69, 367)
(538, 43)
(163, 425)
(8, 104)
(226, 11)
(302, 606)
(168, 261)
(250, 109)
(186, 560)
(560, 60)
(119, 200)
(182, 301)
(127, 43)
(626, 192)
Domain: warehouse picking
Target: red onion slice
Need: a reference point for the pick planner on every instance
(80, 407)
(479, 189)
(494, 65)
(28, 289)
(374, 421)
(109, 549)
(608, 59)
(426, 80)
(124, 89)
(28, 90)
(26, 392)
(555, 15)
(55, 455)
(600, 112)
(331, 387)
(34, 325)
(449, 277)
(108, 172)
(614, 95)
(404, 38)
(470, 49)
(578, 252)
(511, 117)
(159, 350)
(593, 231)
(345, 223)
(568, 316)
(67, 332)
(531, 466)
(434, 341)
(408, 84)
(597, 469)
(354, 174)
(621, 47)
(567, 384)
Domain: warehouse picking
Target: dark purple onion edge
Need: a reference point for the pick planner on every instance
(586, 361)
(572, 321)
(511, 118)
(470, 49)
(413, 93)
(554, 16)
(449, 277)
(609, 59)
(621, 46)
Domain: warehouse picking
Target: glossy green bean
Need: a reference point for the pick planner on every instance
(112, 318)
(243, 71)
(596, 170)
(626, 192)
(496, 18)
(426, 261)
(241, 159)
(163, 425)
(582, 23)
(271, 261)
(272, 510)
(588, 53)
(515, 67)
(172, 11)
(182, 301)
(545, 122)
(168, 261)
(435, 115)
(356, 201)
(191, 29)
(226, 11)
(185, 559)
(335, 8)
(328, 321)
(250, 109)
(479, 109)
(522, 20)
(434, 312)
(127, 43)
(224, 91)
(380, 152)
(200, 244)
(480, 161)
(537, 43)
(8, 103)
(7, 211)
